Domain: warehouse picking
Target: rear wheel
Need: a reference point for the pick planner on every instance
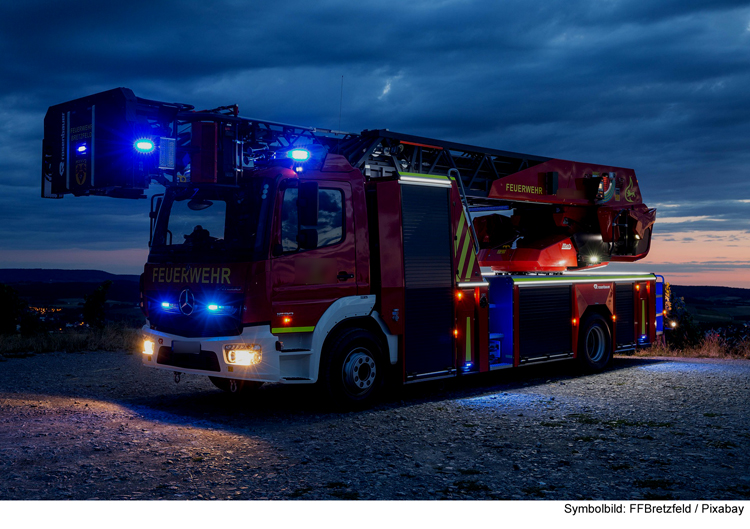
(594, 343)
(354, 368)
(235, 386)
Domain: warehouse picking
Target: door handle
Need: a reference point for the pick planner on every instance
(343, 276)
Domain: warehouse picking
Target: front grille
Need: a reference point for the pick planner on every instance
(201, 323)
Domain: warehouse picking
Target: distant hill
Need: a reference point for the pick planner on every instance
(711, 293)
(715, 305)
(41, 275)
(54, 287)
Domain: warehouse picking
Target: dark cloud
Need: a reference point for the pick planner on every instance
(655, 86)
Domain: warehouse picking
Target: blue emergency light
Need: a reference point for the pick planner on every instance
(144, 146)
(299, 155)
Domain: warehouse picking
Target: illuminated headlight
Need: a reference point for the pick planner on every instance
(594, 259)
(243, 354)
(148, 347)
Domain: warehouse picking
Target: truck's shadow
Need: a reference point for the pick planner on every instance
(280, 406)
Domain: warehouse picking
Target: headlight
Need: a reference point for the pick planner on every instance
(148, 347)
(242, 354)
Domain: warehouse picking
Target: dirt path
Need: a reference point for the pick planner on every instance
(98, 425)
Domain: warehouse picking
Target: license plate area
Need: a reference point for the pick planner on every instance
(190, 348)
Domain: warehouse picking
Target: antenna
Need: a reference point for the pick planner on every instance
(341, 100)
(341, 104)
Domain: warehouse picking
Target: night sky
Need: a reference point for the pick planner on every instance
(658, 86)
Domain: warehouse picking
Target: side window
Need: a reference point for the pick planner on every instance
(289, 221)
(330, 219)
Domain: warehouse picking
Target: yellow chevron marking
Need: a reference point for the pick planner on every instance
(463, 254)
(459, 232)
(471, 265)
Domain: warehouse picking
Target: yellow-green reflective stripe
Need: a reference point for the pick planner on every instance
(281, 330)
(643, 316)
(468, 339)
(471, 265)
(602, 279)
(422, 175)
(463, 255)
(459, 231)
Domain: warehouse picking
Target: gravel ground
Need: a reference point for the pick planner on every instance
(100, 426)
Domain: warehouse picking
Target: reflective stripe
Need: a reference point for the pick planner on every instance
(468, 339)
(471, 266)
(423, 175)
(573, 280)
(282, 330)
(459, 231)
(463, 255)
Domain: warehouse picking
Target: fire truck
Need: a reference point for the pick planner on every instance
(299, 255)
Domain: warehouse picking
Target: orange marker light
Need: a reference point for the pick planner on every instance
(614, 317)
(459, 295)
(455, 333)
(287, 320)
(638, 287)
(575, 321)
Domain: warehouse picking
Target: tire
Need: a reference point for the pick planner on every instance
(354, 369)
(594, 343)
(235, 386)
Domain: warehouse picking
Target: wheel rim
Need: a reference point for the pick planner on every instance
(359, 371)
(595, 343)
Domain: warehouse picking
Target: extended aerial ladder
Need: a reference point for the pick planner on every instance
(530, 213)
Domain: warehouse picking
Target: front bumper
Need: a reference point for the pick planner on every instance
(275, 366)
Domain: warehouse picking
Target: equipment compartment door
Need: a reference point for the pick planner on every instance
(428, 281)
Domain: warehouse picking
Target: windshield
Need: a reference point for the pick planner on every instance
(209, 223)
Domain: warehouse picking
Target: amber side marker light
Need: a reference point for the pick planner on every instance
(455, 333)
(575, 321)
(459, 296)
(148, 347)
(287, 320)
(614, 317)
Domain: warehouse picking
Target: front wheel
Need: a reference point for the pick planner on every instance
(354, 370)
(235, 386)
(594, 343)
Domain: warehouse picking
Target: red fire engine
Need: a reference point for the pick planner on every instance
(297, 255)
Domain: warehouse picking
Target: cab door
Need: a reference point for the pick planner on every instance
(312, 265)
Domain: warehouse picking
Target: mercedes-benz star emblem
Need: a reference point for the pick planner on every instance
(187, 302)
